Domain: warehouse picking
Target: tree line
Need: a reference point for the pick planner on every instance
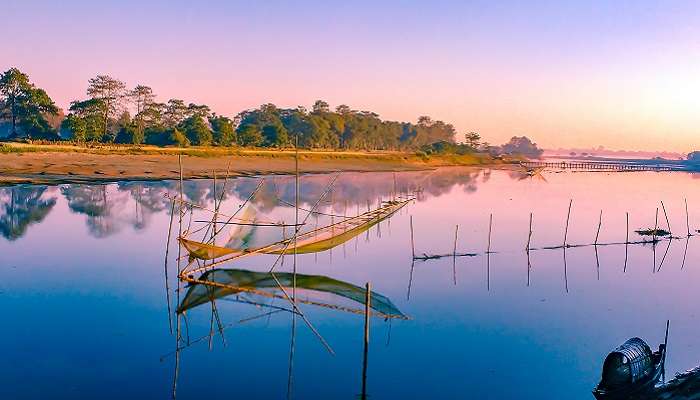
(114, 113)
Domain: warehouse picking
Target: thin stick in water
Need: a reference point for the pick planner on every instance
(568, 215)
(165, 266)
(668, 224)
(413, 247)
(600, 223)
(454, 257)
(368, 300)
(687, 217)
(488, 246)
(529, 235)
(627, 239)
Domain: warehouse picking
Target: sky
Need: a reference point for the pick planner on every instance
(621, 74)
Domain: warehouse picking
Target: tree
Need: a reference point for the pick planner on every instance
(343, 109)
(197, 131)
(13, 86)
(521, 145)
(275, 135)
(472, 139)
(129, 132)
(321, 106)
(25, 105)
(111, 93)
(178, 138)
(141, 96)
(85, 121)
(222, 129)
(249, 135)
(175, 112)
(198, 110)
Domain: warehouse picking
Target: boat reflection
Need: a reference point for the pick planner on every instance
(256, 288)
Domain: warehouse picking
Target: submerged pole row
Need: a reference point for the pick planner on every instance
(657, 236)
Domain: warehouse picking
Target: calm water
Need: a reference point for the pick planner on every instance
(83, 295)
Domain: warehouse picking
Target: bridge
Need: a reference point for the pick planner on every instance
(605, 165)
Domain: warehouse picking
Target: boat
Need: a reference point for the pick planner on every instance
(631, 370)
(317, 240)
(220, 283)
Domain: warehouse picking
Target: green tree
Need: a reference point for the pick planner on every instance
(472, 139)
(85, 121)
(320, 106)
(249, 135)
(223, 131)
(76, 127)
(111, 93)
(143, 98)
(178, 138)
(25, 105)
(174, 113)
(197, 131)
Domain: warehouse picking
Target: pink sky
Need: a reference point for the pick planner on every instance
(569, 74)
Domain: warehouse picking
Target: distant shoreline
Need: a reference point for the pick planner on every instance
(56, 164)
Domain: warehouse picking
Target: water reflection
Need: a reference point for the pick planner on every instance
(21, 207)
(108, 208)
(520, 334)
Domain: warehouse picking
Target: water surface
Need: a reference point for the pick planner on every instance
(84, 298)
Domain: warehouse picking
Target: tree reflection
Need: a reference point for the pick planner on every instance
(92, 200)
(23, 206)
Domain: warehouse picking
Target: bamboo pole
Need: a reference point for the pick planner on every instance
(668, 224)
(687, 217)
(488, 246)
(656, 225)
(296, 219)
(568, 215)
(600, 223)
(216, 209)
(165, 266)
(454, 249)
(627, 239)
(368, 300)
(454, 257)
(178, 334)
(529, 235)
(653, 240)
(488, 256)
(413, 247)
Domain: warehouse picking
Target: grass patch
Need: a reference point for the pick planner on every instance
(397, 157)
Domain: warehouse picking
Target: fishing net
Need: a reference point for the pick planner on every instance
(219, 283)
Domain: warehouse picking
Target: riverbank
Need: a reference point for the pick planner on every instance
(53, 164)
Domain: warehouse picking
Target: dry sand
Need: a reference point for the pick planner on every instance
(72, 167)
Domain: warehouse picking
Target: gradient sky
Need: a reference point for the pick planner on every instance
(625, 75)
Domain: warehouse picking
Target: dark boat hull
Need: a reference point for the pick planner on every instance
(629, 392)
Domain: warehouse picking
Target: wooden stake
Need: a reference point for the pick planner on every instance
(600, 222)
(656, 225)
(529, 235)
(687, 217)
(413, 247)
(488, 246)
(627, 239)
(167, 251)
(568, 215)
(454, 250)
(368, 300)
(668, 224)
(454, 257)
